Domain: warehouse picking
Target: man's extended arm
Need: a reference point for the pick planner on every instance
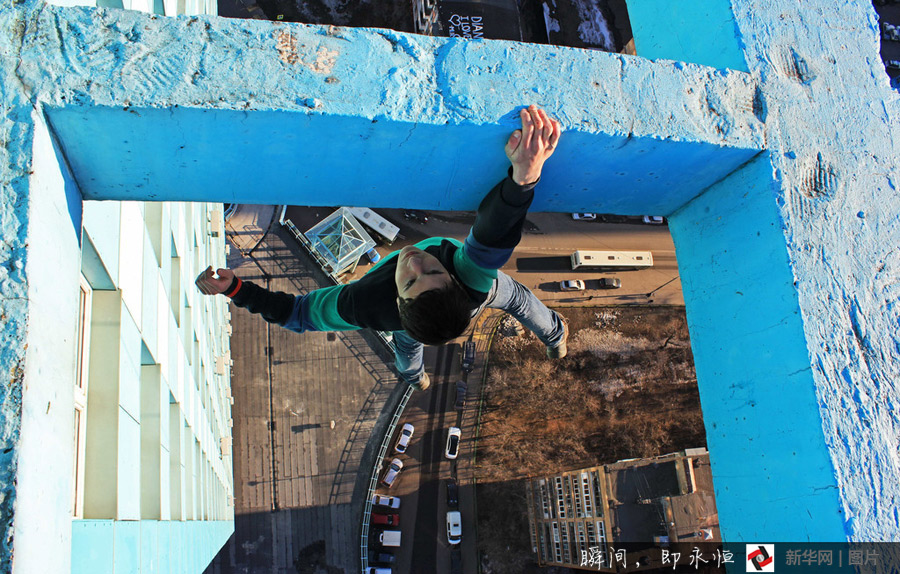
(278, 307)
(501, 215)
(274, 306)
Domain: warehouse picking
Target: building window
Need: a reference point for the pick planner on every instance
(83, 344)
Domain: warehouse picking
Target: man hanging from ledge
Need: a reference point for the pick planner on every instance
(427, 293)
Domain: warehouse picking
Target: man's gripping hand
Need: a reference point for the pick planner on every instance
(528, 148)
(210, 284)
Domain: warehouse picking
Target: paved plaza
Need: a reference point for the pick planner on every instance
(305, 407)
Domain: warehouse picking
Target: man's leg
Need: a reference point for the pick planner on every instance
(517, 300)
(408, 359)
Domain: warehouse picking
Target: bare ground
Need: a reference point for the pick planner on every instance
(626, 389)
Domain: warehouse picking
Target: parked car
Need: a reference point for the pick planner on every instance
(454, 527)
(416, 216)
(571, 285)
(468, 360)
(405, 434)
(386, 519)
(377, 570)
(610, 282)
(392, 473)
(388, 501)
(373, 255)
(584, 216)
(389, 538)
(453, 437)
(654, 219)
(452, 494)
(461, 389)
(381, 558)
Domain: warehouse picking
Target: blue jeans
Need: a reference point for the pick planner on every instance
(506, 294)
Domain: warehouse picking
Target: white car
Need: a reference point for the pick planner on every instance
(654, 219)
(454, 527)
(453, 438)
(392, 473)
(405, 434)
(389, 501)
(571, 285)
(584, 216)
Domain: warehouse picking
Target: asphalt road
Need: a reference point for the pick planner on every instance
(541, 260)
(422, 482)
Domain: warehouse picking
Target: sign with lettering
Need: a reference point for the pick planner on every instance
(480, 19)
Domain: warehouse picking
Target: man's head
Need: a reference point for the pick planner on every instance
(433, 307)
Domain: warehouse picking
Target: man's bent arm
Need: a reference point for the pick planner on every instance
(498, 224)
(501, 215)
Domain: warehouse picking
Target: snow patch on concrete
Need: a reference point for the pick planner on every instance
(552, 24)
(594, 29)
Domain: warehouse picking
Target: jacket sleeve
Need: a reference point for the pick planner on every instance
(498, 224)
(274, 306)
(316, 311)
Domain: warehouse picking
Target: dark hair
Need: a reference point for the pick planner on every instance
(436, 316)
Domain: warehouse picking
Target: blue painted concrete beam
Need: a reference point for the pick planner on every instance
(832, 174)
(161, 109)
(699, 31)
(832, 128)
(773, 475)
(16, 138)
(312, 158)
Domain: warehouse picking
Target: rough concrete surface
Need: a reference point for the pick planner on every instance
(205, 98)
(16, 130)
(833, 120)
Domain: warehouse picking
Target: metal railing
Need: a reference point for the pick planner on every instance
(373, 479)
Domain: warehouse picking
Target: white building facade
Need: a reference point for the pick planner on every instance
(152, 475)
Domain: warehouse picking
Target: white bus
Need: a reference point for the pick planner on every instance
(612, 260)
(376, 223)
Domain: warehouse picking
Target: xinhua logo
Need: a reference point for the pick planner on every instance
(760, 558)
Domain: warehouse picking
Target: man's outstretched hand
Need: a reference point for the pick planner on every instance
(528, 148)
(209, 284)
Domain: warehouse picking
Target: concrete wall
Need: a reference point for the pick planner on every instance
(643, 136)
(126, 259)
(828, 186)
(45, 446)
(771, 463)
(154, 379)
(146, 545)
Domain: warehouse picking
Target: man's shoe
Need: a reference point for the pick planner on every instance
(560, 351)
(423, 383)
